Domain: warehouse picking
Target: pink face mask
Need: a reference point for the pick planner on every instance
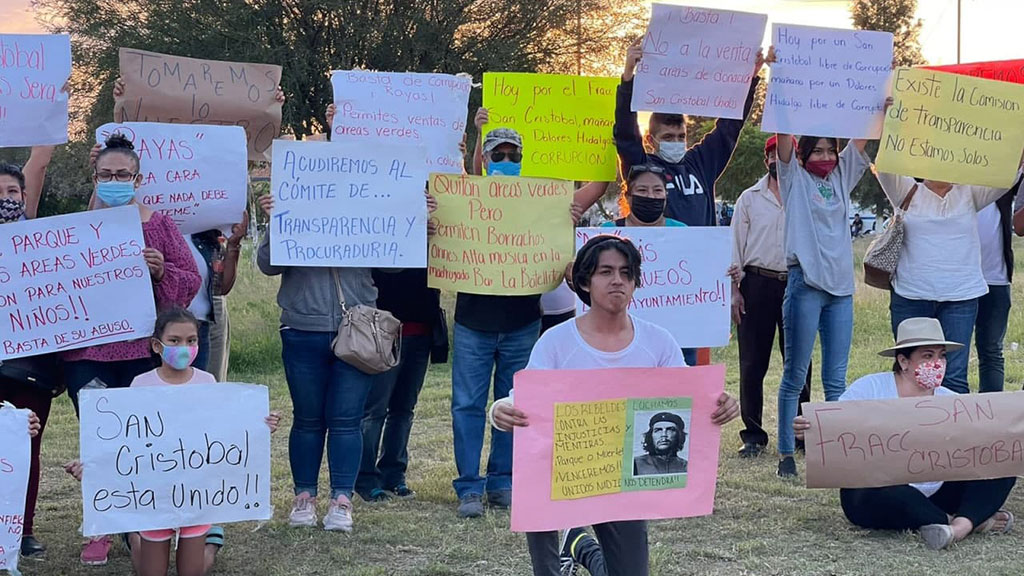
(928, 375)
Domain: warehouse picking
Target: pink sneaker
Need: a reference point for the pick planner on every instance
(94, 552)
(339, 516)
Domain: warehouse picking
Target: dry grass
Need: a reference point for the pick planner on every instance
(761, 525)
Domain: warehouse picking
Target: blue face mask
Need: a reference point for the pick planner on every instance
(114, 193)
(504, 168)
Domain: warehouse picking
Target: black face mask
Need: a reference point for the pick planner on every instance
(773, 171)
(647, 210)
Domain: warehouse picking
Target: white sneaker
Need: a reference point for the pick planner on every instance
(339, 516)
(303, 511)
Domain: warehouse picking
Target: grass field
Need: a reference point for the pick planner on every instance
(761, 525)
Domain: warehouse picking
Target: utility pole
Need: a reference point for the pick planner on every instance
(958, 2)
(579, 38)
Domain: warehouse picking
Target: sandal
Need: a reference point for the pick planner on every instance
(937, 536)
(988, 526)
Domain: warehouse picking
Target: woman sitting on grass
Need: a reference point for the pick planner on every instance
(942, 512)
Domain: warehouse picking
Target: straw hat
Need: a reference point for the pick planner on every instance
(914, 332)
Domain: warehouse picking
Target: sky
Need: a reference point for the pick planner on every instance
(990, 28)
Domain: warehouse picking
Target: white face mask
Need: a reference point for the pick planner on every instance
(672, 152)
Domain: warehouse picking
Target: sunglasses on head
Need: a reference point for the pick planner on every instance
(498, 156)
(642, 168)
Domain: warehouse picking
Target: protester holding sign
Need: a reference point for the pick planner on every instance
(815, 192)
(942, 512)
(643, 198)
(758, 251)
(605, 274)
(692, 171)
(939, 273)
(29, 382)
(328, 395)
(175, 282)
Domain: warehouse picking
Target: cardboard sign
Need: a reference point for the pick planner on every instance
(828, 82)
(589, 454)
(73, 281)
(33, 70)
(380, 109)
(697, 61)
(171, 456)
(953, 128)
(196, 175)
(865, 444)
(15, 460)
(499, 235)
(179, 90)
(565, 122)
(685, 288)
(1003, 70)
(341, 205)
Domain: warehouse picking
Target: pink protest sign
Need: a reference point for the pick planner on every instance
(600, 446)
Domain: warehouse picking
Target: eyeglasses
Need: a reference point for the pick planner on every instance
(119, 176)
(498, 156)
(642, 168)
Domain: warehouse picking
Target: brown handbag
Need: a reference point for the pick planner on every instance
(368, 338)
(884, 252)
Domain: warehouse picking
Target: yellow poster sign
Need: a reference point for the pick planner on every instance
(565, 121)
(587, 458)
(953, 128)
(499, 235)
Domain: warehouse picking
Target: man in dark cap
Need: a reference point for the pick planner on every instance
(663, 440)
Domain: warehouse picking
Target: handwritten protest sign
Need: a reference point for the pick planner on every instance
(685, 289)
(862, 444)
(196, 175)
(697, 61)
(828, 82)
(1003, 70)
(179, 90)
(499, 235)
(73, 281)
(953, 128)
(594, 450)
(170, 456)
(385, 108)
(565, 122)
(15, 452)
(348, 205)
(33, 70)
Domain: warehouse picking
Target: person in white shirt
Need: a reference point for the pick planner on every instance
(939, 273)
(759, 285)
(605, 274)
(942, 512)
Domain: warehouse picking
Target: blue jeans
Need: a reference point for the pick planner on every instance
(203, 357)
(990, 329)
(328, 396)
(478, 355)
(690, 356)
(806, 313)
(957, 320)
(117, 374)
(389, 412)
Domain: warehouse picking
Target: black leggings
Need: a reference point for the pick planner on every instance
(622, 552)
(906, 508)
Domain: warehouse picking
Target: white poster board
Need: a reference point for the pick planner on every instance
(171, 456)
(828, 82)
(194, 174)
(73, 281)
(381, 109)
(33, 70)
(345, 205)
(697, 61)
(685, 287)
(15, 459)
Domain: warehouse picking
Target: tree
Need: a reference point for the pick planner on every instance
(897, 17)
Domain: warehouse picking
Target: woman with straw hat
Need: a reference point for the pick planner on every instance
(942, 512)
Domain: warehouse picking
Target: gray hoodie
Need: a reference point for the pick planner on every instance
(308, 297)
